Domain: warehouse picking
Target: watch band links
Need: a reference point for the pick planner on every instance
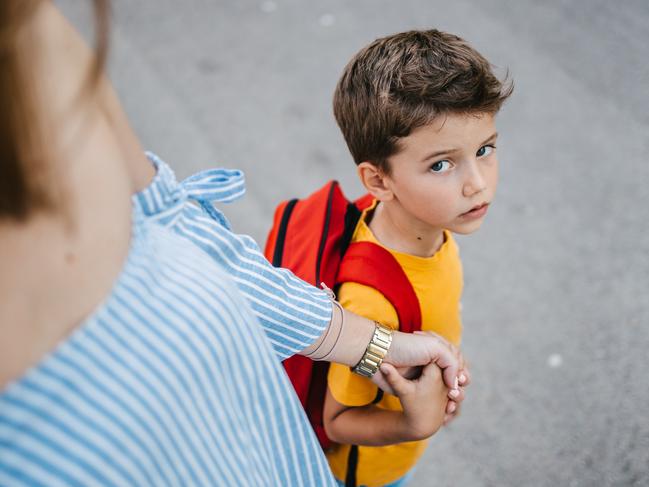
(375, 352)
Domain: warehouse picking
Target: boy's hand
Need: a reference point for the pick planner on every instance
(423, 399)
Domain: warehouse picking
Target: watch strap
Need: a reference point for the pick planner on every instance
(375, 352)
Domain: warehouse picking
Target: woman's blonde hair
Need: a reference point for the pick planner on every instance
(21, 192)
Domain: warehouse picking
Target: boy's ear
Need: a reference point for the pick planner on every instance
(375, 181)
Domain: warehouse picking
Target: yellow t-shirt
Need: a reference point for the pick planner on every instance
(437, 282)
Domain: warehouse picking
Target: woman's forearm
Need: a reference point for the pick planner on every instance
(347, 337)
(344, 341)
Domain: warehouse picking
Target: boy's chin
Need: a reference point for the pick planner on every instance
(466, 228)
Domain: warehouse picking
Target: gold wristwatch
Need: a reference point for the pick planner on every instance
(375, 352)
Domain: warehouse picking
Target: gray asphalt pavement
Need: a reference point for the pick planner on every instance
(556, 304)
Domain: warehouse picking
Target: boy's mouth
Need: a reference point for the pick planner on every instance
(476, 212)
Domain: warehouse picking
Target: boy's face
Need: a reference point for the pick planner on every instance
(445, 173)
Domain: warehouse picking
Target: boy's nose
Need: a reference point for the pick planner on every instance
(475, 182)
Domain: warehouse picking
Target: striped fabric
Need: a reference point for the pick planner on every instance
(171, 382)
(292, 312)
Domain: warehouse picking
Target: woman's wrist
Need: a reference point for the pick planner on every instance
(345, 339)
(325, 345)
(375, 351)
(348, 335)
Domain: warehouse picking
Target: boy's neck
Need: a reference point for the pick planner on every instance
(400, 233)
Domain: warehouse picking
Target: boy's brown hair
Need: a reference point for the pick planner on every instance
(404, 81)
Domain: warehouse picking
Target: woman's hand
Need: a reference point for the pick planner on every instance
(455, 400)
(422, 348)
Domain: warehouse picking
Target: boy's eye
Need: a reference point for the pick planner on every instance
(441, 166)
(485, 150)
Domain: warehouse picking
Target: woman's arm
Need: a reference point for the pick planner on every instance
(348, 334)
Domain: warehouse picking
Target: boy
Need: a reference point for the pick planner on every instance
(417, 112)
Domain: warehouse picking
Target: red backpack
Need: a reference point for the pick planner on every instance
(311, 237)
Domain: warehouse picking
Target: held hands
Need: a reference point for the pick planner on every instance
(423, 400)
(455, 396)
(410, 351)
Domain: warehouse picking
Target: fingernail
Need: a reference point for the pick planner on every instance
(454, 393)
(451, 407)
(462, 378)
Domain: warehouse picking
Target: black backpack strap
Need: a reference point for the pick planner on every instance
(352, 458)
(352, 465)
(352, 217)
(281, 233)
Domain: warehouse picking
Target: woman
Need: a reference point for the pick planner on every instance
(127, 355)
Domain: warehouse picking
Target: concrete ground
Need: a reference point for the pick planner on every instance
(556, 299)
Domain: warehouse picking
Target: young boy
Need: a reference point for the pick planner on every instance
(417, 112)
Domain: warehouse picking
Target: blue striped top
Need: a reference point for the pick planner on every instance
(171, 381)
(292, 312)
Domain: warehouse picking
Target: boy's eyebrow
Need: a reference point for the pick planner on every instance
(491, 138)
(438, 153)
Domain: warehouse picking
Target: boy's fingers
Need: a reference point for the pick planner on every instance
(409, 372)
(382, 383)
(397, 383)
(430, 374)
(406, 372)
(432, 369)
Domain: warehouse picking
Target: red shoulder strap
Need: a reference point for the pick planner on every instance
(364, 201)
(371, 265)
